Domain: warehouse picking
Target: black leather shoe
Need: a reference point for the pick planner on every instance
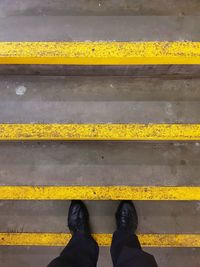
(78, 218)
(126, 216)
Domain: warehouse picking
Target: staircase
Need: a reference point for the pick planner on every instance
(99, 109)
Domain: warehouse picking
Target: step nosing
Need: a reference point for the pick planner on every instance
(147, 193)
(60, 239)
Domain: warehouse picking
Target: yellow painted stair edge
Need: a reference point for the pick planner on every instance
(100, 53)
(117, 132)
(61, 239)
(187, 193)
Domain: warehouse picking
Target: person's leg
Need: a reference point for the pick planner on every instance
(125, 249)
(82, 250)
(120, 240)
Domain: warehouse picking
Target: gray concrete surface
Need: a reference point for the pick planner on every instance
(135, 71)
(98, 100)
(100, 163)
(51, 216)
(50, 89)
(101, 7)
(100, 28)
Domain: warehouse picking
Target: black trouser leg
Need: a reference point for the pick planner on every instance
(127, 252)
(81, 251)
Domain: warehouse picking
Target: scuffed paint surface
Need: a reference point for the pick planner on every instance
(100, 53)
(60, 239)
(99, 193)
(100, 132)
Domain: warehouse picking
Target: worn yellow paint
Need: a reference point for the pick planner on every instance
(100, 53)
(99, 193)
(60, 239)
(153, 132)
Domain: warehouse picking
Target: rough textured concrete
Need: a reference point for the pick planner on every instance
(156, 217)
(100, 163)
(100, 28)
(101, 7)
(79, 100)
(135, 71)
(50, 89)
(98, 100)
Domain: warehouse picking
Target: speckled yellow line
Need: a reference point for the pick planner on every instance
(99, 193)
(12, 132)
(61, 239)
(100, 53)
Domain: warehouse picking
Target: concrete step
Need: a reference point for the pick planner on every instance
(30, 99)
(51, 216)
(100, 163)
(78, 28)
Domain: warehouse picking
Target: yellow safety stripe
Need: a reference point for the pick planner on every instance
(153, 132)
(100, 53)
(60, 239)
(99, 193)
